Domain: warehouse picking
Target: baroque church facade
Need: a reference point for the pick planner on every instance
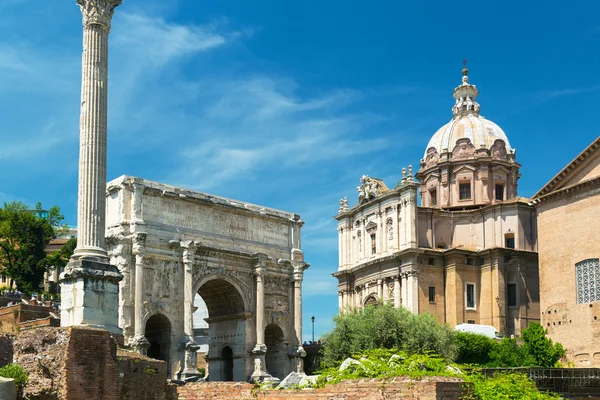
(468, 253)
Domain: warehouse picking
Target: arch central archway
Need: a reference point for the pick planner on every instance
(158, 333)
(226, 329)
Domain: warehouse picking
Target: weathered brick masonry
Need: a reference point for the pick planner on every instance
(83, 364)
(399, 388)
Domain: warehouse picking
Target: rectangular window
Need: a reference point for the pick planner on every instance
(373, 244)
(587, 275)
(511, 294)
(432, 261)
(499, 192)
(433, 198)
(464, 191)
(432, 294)
(3, 278)
(469, 261)
(470, 289)
(509, 240)
(471, 321)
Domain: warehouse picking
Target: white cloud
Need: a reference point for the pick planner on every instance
(151, 41)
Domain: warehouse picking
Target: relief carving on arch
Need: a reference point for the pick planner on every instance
(463, 149)
(432, 157)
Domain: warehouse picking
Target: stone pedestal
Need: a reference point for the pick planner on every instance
(260, 373)
(140, 345)
(190, 369)
(90, 294)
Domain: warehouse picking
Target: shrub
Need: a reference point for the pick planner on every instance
(506, 354)
(386, 363)
(16, 372)
(539, 350)
(504, 386)
(383, 326)
(472, 348)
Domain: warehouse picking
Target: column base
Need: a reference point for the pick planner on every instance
(300, 354)
(190, 371)
(90, 294)
(140, 345)
(260, 373)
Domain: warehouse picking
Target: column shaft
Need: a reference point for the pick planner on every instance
(188, 295)
(396, 291)
(260, 306)
(92, 145)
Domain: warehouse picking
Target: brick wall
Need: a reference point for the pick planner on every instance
(568, 234)
(83, 364)
(399, 388)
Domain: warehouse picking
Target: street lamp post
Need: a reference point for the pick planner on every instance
(313, 328)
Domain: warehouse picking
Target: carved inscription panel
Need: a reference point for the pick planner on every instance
(214, 220)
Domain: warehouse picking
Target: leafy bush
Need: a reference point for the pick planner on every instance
(386, 363)
(472, 348)
(506, 354)
(16, 372)
(538, 349)
(385, 327)
(504, 386)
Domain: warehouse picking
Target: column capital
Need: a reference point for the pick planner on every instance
(139, 243)
(260, 271)
(98, 12)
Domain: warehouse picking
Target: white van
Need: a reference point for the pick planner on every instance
(485, 330)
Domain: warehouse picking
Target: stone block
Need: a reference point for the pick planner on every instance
(8, 389)
(90, 289)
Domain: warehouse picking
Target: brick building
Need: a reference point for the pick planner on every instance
(468, 254)
(569, 248)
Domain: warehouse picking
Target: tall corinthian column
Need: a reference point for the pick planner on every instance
(139, 341)
(299, 268)
(97, 15)
(189, 345)
(260, 373)
(89, 284)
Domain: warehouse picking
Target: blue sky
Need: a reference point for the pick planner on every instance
(286, 104)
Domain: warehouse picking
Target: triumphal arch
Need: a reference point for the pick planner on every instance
(244, 260)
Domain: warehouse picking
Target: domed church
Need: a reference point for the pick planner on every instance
(468, 253)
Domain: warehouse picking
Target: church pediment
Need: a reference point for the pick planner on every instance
(371, 226)
(463, 168)
(584, 167)
(432, 177)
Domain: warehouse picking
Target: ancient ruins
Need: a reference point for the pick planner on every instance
(244, 261)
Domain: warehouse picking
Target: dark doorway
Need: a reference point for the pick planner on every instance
(227, 356)
(158, 333)
(275, 357)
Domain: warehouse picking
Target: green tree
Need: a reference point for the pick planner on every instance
(24, 234)
(60, 258)
(538, 349)
(384, 327)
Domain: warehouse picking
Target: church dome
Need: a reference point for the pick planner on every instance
(480, 131)
(467, 123)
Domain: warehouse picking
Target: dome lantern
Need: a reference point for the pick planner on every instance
(465, 96)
